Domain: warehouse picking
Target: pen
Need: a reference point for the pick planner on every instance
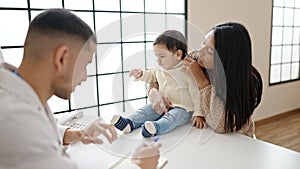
(155, 140)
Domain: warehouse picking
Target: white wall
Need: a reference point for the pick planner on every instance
(256, 16)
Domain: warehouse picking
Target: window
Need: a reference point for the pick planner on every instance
(285, 51)
(125, 32)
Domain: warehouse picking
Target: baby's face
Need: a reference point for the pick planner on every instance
(165, 58)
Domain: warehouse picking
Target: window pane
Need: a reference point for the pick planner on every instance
(295, 70)
(289, 3)
(91, 68)
(296, 53)
(13, 56)
(79, 4)
(133, 56)
(297, 4)
(130, 30)
(57, 104)
(85, 94)
(276, 35)
(286, 72)
(13, 33)
(110, 88)
(287, 35)
(175, 6)
(275, 73)
(86, 17)
(45, 4)
(133, 89)
(296, 36)
(275, 54)
(108, 111)
(287, 53)
(14, 3)
(278, 2)
(111, 5)
(35, 13)
(277, 16)
(176, 22)
(155, 24)
(133, 106)
(288, 16)
(109, 58)
(150, 57)
(108, 27)
(132, 5)
(297, 17)
(155, 6)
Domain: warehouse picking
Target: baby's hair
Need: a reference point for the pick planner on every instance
(173, 40)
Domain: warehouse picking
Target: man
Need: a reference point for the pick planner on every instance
(57, 49)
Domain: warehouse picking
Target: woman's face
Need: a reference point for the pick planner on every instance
(206, 52)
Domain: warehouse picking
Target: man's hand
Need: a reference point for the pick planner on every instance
(146, 156)
(91, 134)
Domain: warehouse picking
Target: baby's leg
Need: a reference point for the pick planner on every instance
(135, 120)
(175, 117)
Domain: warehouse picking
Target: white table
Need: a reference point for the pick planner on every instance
(184, 150)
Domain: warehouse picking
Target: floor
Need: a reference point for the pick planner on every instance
(284, 132)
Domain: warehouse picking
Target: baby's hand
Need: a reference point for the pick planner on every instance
(199, 122)
(136, 73)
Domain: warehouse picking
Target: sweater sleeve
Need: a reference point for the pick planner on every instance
(195, 97)
(212, 108)
(149, 76)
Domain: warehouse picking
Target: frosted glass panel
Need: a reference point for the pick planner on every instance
(289, 3)
(150, 57)
(45, 4)
(297, 3)
(296, 36)
(155, 24)
(133, 106)
(13, 56)
(155, 6)
(276, 54)
(133, 56)
(133, 89)
(276, 35)
(295, 70)
(87, 17)
(176, 22)
(132, 5)
(287, 53)
(277, 16)
(275, 74)
(13, 33)
(108, 27)
(296, 53)
(111, 5)
(297, 17)
(14, 3)
(286, 72)
(91, 68)
(288, 16)
(287, 35)
(79, 4)
(278, 2)
(57, 104)
(109, 58)
(85, 94)
(110, 88)
(131, 31)
(175, 6)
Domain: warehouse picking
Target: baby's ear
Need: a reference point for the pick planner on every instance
(178, 54)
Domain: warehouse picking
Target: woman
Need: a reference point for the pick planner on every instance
(230, 87)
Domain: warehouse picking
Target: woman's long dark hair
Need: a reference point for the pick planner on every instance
(241, 87)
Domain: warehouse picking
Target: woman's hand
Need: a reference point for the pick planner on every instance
(191, 65)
